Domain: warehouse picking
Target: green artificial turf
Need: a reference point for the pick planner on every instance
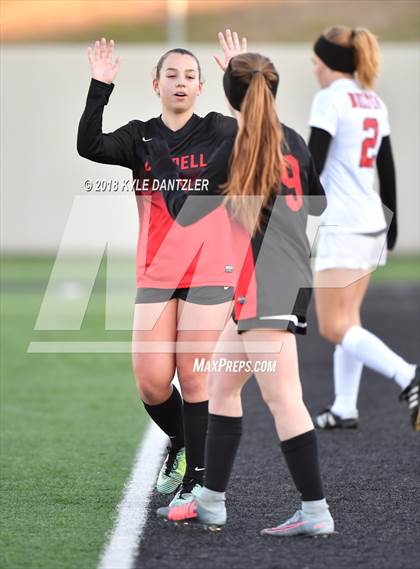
(399, 269)
(70, 425)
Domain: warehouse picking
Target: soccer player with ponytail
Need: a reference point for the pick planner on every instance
(267, 181)
(350, 136)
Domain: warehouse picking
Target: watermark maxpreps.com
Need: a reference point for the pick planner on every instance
(204, 365)
(145, 185)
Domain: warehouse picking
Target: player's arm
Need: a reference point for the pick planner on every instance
(187, 207)
(323, 121)
(387, 186)
(317, 197)
(319, 144)
(317, 201)
(115, 147)
(226, 127)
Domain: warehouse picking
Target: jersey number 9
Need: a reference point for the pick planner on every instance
(291, 179)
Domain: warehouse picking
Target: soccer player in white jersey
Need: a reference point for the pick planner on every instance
(350, 135)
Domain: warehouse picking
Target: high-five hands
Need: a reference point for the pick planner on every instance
(231, 46)
(102, 66)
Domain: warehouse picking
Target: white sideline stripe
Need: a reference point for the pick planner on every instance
(123, 543)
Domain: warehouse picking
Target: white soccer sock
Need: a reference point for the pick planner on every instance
(213, 502)
(372, 352)
(210, 497)
(347, 374)
(315, 507)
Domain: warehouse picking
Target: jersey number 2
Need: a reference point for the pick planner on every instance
(369, 143)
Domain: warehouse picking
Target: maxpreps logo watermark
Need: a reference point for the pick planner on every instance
(112, 239)
(203, 365)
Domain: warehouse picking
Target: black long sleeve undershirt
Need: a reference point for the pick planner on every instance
(113, 148)
(319, 143)
(387, 186)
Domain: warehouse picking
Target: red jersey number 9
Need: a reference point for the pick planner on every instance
(291, 179)
(369, 143)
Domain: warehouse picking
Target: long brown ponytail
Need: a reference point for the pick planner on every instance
(257, 162)
(368, 55)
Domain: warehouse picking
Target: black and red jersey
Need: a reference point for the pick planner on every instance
(168, 255)
(273, 266)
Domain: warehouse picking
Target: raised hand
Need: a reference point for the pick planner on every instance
(231, 46)
(101, 62)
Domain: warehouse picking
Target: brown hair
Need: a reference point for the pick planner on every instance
(368, 55)
(182, 51)
(257, 161)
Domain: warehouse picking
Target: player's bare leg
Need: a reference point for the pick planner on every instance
(281, 388)
(153, 353)
(338, 312)
(154, 364)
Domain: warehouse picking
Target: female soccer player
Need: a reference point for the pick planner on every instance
(350, 135)
(184, 275)
(268, 179)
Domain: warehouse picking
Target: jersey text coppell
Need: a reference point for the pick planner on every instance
(184, 162)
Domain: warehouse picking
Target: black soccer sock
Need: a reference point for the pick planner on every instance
(195, 429)
(222, 442)
(301, 455)
(168, 416)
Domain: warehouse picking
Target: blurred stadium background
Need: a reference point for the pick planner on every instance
(71, 421)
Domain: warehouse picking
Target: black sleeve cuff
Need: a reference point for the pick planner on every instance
(391, 238)
(100, 88)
